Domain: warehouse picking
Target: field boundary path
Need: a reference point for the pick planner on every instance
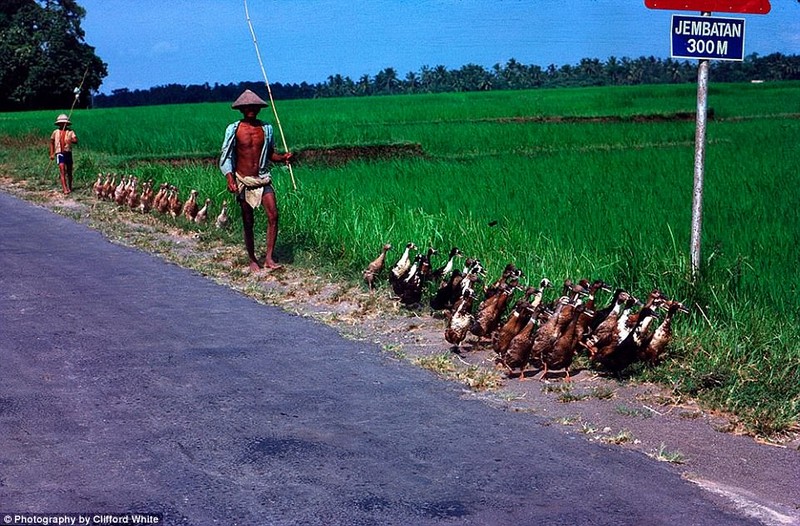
(133, 385)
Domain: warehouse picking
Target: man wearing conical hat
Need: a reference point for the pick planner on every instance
(61, 141)
(248, 151)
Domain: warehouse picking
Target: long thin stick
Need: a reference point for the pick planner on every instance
(269, 90)
(78, 92)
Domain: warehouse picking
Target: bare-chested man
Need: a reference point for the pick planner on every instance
(247, 153)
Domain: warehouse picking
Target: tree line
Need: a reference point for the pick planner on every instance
(510, 76)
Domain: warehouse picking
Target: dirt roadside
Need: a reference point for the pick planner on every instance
(760, 477)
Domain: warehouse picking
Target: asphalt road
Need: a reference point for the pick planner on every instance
(128, 384)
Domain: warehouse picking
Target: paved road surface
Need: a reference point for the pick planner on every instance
(131, 385)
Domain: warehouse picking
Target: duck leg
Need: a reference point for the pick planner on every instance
(544, 372)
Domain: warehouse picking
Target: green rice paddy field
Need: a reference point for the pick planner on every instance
(593, 183)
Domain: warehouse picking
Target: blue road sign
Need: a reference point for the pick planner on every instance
(704, 37)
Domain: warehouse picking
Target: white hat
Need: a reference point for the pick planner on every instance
(62, 119)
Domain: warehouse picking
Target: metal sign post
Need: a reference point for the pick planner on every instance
(704, 38)
(699, 163)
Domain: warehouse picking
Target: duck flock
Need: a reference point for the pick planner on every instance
(525, 332)
(144, 198)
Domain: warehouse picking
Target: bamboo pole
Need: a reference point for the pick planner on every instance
(269, 91)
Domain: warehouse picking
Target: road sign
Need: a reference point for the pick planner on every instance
(704, 37)
(755, 7)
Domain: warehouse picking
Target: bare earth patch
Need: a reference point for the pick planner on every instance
(761, 477)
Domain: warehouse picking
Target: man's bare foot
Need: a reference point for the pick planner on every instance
(271, 265)
(254, 267)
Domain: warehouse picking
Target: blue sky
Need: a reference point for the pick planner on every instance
(155, 42)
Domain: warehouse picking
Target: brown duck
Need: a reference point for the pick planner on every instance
(520, 314)
(376, 266)
(656, 344)
(561, 353)
(174, 204)
(491, 311)
(190, 208)
(518, 354)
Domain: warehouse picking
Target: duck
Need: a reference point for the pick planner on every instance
(623, 329)
(160, 196)
(108, 186)
(461, 319)
(163, 205)
(146, 199)
(132, 196)
(471, 274)
(555, 326)
(223, 220)
(616, 358)
(410, 288)
(425, 267)
(97, 187)
(120, 192)
(445, 270)
(510, 273)
(446, 292)
(656, 344)
(190, 207)
(401, 267)
(611, 333)
(202, 215)
(517, 355)
(654, 299)
(606, 332)
(521, 312)
(376, 266)
(563, 350)
(175, 206)
(601, 314)
(491, 310)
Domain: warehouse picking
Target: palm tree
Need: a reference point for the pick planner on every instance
(411, 83)
(386, 81)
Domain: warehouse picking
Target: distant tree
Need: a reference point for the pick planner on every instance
(43, 55)
(386, 81)
(411, 84)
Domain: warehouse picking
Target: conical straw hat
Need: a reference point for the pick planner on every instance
(248, 98)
